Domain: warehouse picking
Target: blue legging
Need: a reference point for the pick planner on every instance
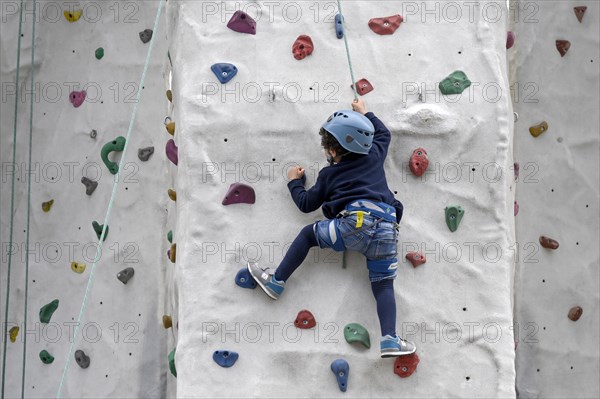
(383, 290)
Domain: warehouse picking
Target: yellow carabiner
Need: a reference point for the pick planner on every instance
(359, 219)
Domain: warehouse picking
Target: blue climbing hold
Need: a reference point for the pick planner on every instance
(244, 279)
(224, 71)
(225, 358)
(341, 368)
(339, 26)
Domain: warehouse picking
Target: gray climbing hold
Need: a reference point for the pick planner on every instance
(89, 184)
(82, 359)
(125, 275)
(145, 153)
(93, 134)
(146, 35)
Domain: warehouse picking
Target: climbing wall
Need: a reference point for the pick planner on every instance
(122, 332)
(457, 306)
(557, 194)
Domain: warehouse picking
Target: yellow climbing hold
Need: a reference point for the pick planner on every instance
(167, 321)
(78, 267)
(172, 253)
(73, 16)
(171, 128)
(172, 194)
(538, 129)
(170, 95)
(13, 332)
(47, 205)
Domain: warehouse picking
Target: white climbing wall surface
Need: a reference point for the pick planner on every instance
(457, 307)
(122, 330)
(557, 193)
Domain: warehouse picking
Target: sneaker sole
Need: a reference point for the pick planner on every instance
(396, 354)
(260, 284)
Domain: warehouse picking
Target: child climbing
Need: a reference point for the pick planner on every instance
(362, 214)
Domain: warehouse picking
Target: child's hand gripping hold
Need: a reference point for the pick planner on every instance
(295, 172)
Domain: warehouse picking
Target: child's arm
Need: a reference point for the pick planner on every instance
(382, 137)
(306, 201)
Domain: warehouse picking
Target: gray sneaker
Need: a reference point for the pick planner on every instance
(266, 279)
(396, 346)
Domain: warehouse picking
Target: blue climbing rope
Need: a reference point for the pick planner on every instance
(111, 201)
(347, 49)
(28, 205)
(12, 200)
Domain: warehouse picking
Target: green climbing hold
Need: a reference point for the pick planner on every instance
(354, 332)
(454, 215)
(99, 53)
(47, 311)
(98, 229)
(455, 83)
(117, 144)
(46, 357)
(172, 362)
(170, 236)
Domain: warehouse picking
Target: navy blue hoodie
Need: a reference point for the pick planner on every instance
(355, 177)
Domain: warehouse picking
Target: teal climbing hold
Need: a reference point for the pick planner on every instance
(99, 53)
(98, 229)
(355, 332)
(117, 144)
(170, 236)
(172, 362)
(47, 311)
(45, 357)
(454, 215)
(455, 83)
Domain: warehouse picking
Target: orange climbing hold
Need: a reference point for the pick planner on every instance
(73, 16)
(416, 258)
(538, 129)
(363, 87)
(579, 12)
(548, 242)
(563, 46)
(404, 366)
(385, 25)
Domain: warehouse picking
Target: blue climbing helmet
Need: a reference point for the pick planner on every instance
(352, 130)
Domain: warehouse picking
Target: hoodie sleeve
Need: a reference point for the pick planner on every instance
(308, 200)
(382, 137)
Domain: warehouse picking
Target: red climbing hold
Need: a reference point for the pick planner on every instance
(510, 39)
(575, 313)
(239, 193)
(516, 170)
(77, 98)
(363, 87)
(563, 46)
(242, 22)
(303, 47)
(404, 366)
(305, 319)
(418, 162)
(548, 242)
(416, 258)
(385, 25)
(579, 11)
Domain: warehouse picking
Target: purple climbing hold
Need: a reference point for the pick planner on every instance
(244, 279)
(224, 71)
(172, 152)
(341, 368)
(510, 39)
(239, 193)
(77, 98)
(242, 22)
(225, 358)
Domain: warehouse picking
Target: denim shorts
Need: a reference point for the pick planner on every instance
(378, 242)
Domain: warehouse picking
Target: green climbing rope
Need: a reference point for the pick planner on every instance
(12, 200)
(28, 205)
(347, 49)
(110, 203)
